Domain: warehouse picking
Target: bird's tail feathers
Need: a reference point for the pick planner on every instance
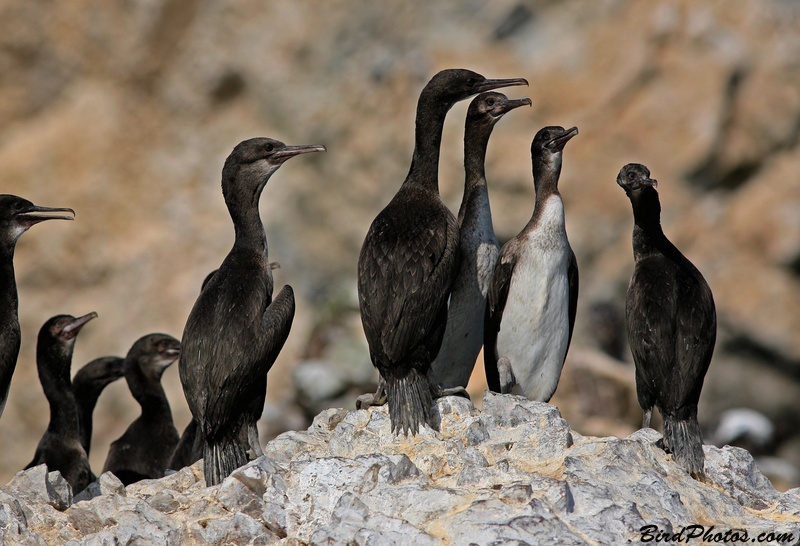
(684, 439)
(221, 458)
(410, 401)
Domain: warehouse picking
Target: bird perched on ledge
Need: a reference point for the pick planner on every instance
(409, 258)
(672, 324)
(16, 216)
(60, 447)
(478, 249)
(235, 329)
(530, 313)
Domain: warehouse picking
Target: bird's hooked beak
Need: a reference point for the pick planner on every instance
(509, 104)
(558, 142)
(73, 327)
(36, 214)
(488, 85)
(642, 182)
(288, 152)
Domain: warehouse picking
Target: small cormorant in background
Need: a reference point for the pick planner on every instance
(409, 259)
(463, 337)
(87, 384)
(60, 447)
(16, 216)
(143, 452)
(530, 313)
(235, 330)
(672, 324)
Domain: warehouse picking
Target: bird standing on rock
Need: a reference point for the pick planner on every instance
(147, 445)
(672, 324)
(408, 261)
(533, 296)
(16, 216)
(235, 330)
(463, 337)
(60, 447)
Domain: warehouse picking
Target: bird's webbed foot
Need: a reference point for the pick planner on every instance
(451, 391)
(507, 379)
(378, 398)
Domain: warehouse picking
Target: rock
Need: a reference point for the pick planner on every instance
(525, 479)
(37, 485)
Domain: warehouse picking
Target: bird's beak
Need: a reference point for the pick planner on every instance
(35, 214)
(173, 352)
(71, 330)
(488, 85)
(291, 151)
(650, 182)
(509, 104)
(559, 141)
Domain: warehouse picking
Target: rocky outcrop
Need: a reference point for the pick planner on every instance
(513, 472)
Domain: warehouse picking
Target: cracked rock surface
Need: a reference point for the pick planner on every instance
(512, 473)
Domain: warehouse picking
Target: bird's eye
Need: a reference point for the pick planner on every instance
(631, 176)
(490, 102)
(471, 82)
(270, 147)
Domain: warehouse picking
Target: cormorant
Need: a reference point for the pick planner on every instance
(87, 384)
(147, 445)
(16, 216)
(672, 324)
(463, 337)
(409, 258)
(60, 447)
(533, 296)
(235, 330)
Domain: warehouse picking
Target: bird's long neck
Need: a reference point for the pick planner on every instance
(545, 180)
(248, 227)
(476, 140)
(54, 374)
(149, 393)
(431, 112)
(648, 237)
(86, 400)
(9, 302)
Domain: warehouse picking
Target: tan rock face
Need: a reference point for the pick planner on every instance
(126, 111)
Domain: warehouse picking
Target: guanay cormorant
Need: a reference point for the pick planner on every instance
(147, 445)
(533, 296)
(409, 258)
(60, 447)
(16, 216)
(672, 324)
(235, 330)
(463, 337)
(87, 384)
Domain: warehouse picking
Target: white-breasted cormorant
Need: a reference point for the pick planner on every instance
(143, 452)
(672, 324)
(87, 384)
(16, 216)
(60, 447)
(478, 248)
(235, 330)
(409, 258)
(530, 312)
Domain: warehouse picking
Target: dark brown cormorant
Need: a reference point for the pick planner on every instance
(463, 337)
(409, 258)
(87, 384)
(672, 324)
(60, 447)
(16, 216)
(533, 296)
(143, 452)
(235, 330)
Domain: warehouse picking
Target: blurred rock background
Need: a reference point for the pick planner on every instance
(125, 111)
